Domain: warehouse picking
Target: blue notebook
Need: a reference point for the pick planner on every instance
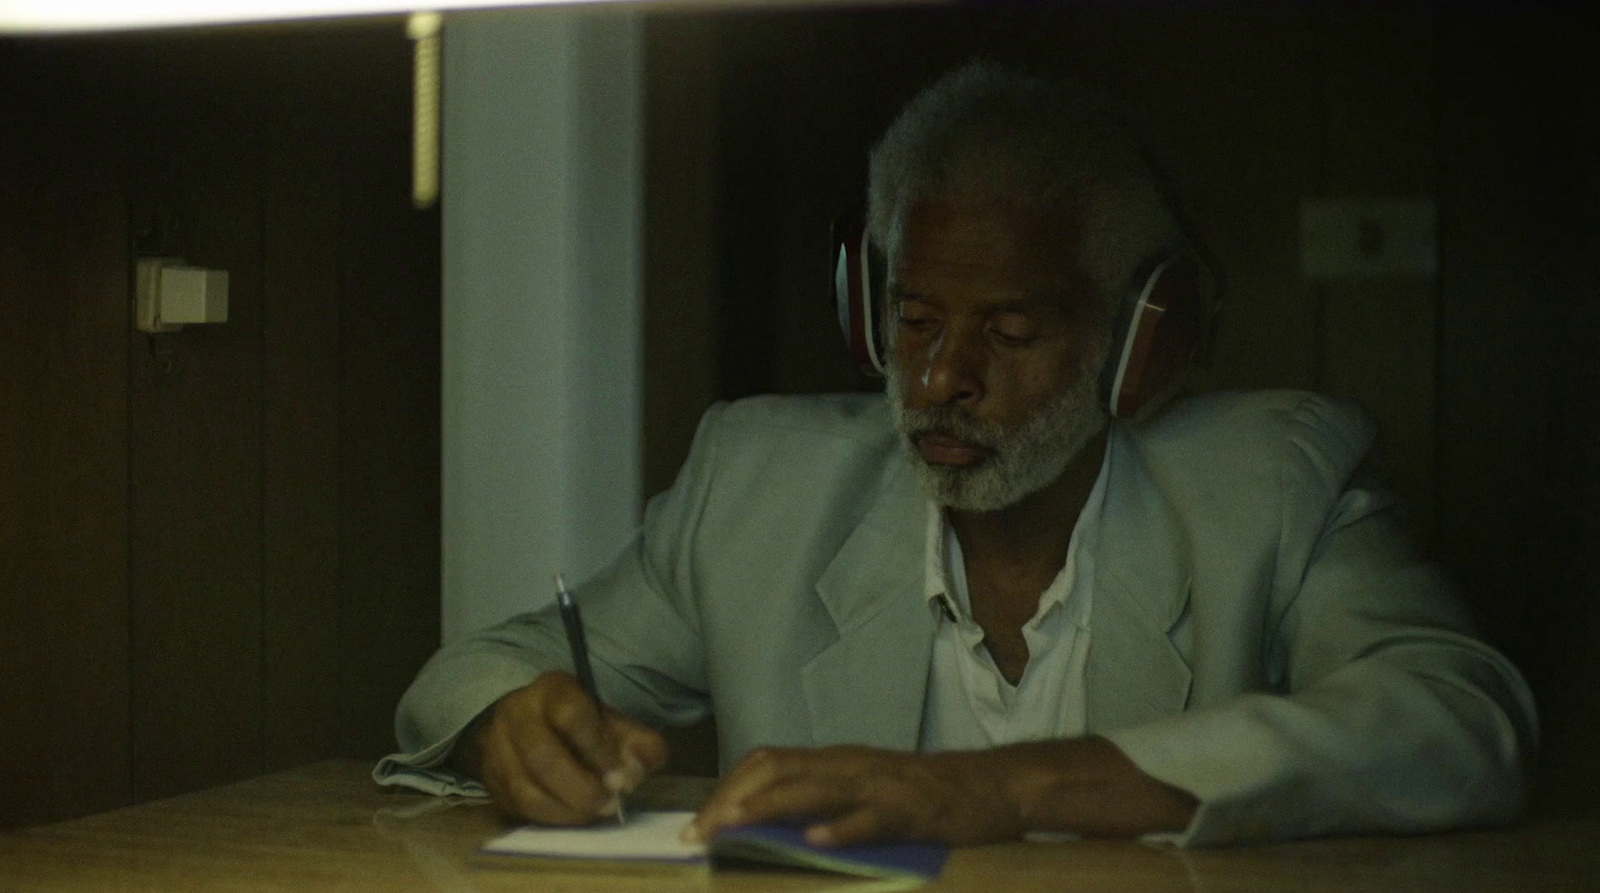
(786, 845)
(651, 838)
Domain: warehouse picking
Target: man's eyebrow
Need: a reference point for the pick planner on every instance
(1033, 304)
(898, 294)
(1029, 304)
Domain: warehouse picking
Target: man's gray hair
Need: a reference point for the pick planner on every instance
(981, 133)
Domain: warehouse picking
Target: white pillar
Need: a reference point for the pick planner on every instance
(542, 157)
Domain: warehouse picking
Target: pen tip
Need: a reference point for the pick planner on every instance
(561, 585)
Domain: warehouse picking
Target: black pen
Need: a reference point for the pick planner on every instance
(573, 621)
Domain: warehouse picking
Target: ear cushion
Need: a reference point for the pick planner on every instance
(1165, 329)
(855, 293)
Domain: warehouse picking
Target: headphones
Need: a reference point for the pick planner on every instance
(1164, 326)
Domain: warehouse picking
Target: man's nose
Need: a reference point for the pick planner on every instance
(954, 370)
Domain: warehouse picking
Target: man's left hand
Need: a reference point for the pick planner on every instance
(862, 793)
(856, 794)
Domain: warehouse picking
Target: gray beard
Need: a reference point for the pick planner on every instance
(1022, 462)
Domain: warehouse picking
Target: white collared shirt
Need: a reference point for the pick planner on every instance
(969, 704)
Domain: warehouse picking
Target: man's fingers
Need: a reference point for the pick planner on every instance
(538, 737)
(550, 792)
(643, 750)
(769, 783)
(858, 826)
(530, 801)
(545, 756)
(807, 797)
(585, 729)
(758, 769)
(550, 753)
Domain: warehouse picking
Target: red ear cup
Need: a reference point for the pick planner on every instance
(1165, 332)
(854, 295)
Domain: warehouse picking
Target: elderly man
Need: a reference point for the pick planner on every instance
(981, 607)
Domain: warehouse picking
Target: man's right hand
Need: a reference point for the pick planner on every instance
(546, 753)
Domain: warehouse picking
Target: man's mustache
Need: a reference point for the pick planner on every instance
(952, 422)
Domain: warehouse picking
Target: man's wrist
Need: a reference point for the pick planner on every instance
(466, 757)
(1040, 780)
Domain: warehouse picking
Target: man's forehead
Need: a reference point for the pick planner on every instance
(993, 217)
(1026, 253)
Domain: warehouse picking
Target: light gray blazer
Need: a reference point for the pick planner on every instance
(1262, 636)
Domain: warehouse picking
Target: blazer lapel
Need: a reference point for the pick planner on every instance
(1134, 673)
(869, 685)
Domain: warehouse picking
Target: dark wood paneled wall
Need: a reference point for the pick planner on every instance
(64, 717)
(389, 398)
(220, 551)
(1519, 345)
(682, 120)
(195, 451)
(302, 424)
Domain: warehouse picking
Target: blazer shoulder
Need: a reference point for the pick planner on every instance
(766, 444)
(1239, 435)
(861, 418)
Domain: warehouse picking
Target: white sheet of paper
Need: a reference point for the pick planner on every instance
(649, 836)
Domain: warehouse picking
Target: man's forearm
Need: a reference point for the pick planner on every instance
(1087, 786)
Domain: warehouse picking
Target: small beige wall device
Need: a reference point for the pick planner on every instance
(168, 295)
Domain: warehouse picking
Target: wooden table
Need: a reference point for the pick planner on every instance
(328, 827)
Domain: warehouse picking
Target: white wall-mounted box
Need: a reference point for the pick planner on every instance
(1369, 238)
(169, 295)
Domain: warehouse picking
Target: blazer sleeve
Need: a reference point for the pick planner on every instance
(640, 620)
(1392, 717)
